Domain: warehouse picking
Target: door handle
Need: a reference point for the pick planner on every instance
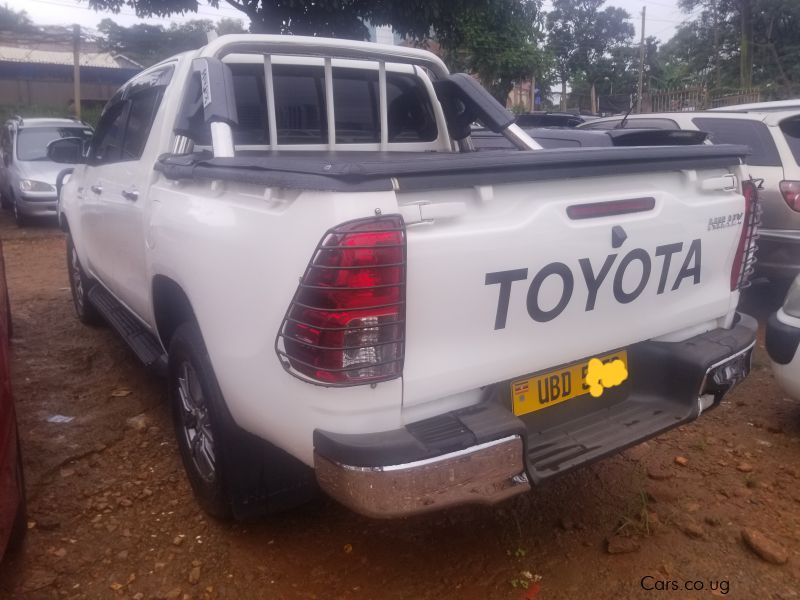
(131, 195)
(97, 189)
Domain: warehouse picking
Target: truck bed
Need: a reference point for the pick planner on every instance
(412, 171)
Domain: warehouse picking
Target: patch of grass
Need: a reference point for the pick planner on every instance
(636, 519)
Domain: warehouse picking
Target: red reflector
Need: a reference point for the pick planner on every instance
(607, 209)
(791, 193)
(744, 259)
(346, 323)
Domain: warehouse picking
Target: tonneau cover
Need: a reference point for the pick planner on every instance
(381, 171)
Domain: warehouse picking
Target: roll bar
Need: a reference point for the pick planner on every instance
(211, 89)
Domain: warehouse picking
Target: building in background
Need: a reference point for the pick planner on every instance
(36, 69)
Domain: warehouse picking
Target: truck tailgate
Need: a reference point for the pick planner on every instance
(511, 279)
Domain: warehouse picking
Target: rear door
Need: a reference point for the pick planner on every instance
(118, 188)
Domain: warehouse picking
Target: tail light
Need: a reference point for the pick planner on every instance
(745, 257)
(346, 323)
(791, 193)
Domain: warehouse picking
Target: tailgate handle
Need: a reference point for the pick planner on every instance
(726, 183)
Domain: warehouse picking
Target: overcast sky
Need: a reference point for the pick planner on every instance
(663, 16)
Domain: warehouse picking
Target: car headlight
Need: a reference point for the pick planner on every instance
(31, 185)
(792, 304)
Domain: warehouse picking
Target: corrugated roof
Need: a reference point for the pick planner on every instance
(61, 57)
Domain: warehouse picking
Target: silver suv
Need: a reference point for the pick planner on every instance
(27, 176)
(774, 140)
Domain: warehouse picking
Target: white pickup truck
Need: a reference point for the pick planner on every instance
(344, 294)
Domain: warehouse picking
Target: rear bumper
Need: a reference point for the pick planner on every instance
(485, 454)
(778, 253)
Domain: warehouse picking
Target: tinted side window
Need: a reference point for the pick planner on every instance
(740, 131)
(791, 131)
(107, 141)
(142, 112)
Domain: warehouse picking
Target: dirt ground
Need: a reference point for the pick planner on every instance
(112, 515)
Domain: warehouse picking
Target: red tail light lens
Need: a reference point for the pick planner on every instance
(346, 323)
(791, 193)
(745, 258)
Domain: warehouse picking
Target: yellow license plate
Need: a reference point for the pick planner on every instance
(546, 389)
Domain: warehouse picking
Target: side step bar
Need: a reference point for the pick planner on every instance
(143, 343)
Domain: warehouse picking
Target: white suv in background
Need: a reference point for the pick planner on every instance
(774, 141)
(783, 341)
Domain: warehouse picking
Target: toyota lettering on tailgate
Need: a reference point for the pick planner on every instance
(594, 275)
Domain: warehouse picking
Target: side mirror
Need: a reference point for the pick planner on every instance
(68, 150)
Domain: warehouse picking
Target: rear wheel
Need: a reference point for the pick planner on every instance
(232, 473)
(80, 284)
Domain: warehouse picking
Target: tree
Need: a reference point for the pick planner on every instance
(495, 39)
(582, 36)
(498, 43)
(148, 44)
(12, 20)
(758, 44)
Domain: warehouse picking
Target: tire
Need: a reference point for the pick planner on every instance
(80, 284)
(5, 201)
(233, 474)
(20, 218)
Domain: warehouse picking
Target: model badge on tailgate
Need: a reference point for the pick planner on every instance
(593, 278)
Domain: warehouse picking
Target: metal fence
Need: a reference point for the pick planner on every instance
(696, 98)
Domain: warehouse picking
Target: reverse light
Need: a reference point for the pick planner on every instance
(745, 257)
(31, 185)
(346, 323)
(790, 190)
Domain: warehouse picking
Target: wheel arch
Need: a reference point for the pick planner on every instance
(171, 307)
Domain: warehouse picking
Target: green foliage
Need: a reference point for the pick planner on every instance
(587, 40)
(494, 39)
(148, 44)
(498, 43)
(690, 57)
(12, 20)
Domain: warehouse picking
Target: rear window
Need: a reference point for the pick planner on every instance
(301, 113)
(754, 134)
(633, 123)
(791, 131)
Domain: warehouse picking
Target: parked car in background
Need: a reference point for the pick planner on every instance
(27, 176)
(775, 105)
(783, 341)
(12, 488)
(774, 141)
